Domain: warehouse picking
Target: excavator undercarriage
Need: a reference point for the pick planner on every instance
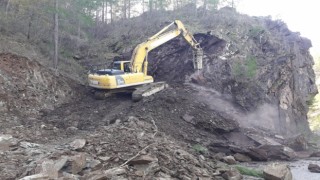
(138, 92)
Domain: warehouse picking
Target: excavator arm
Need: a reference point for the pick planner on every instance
(139, 62)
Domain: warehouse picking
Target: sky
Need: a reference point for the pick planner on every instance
(300, 16)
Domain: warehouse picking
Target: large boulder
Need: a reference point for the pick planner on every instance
(272, 152)
(232, 174)
(6, 142)
(242, 158)
(229, 160)
(315, 168)
(297, 143)
(277, 172)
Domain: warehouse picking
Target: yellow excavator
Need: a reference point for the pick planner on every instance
(132, 75)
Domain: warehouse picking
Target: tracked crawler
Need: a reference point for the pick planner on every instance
(131, 76)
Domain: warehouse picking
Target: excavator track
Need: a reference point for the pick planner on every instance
(101, 95)
(138, 93)
(148, 90)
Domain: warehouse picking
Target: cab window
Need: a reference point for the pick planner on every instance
(117, 65)
(127, 67)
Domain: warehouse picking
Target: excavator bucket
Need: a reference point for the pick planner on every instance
(197, 59)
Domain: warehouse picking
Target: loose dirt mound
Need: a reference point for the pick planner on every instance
(133, 149)
(26, 87)
(175, 112)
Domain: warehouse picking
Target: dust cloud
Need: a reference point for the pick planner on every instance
(265, 116)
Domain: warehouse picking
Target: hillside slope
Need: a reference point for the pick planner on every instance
(256, 61)
(257, 73)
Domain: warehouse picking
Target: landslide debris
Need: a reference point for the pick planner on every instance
(26, 89)
(133, 149)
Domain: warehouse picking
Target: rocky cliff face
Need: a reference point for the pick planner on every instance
(257, 64)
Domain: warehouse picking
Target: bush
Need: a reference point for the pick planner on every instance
(255, 31)
(251, 66)
(200, 149)
(249, 172)
(248, 69)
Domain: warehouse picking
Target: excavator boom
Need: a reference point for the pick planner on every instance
(139, 60)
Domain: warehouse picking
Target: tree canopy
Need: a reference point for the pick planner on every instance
(80, 20)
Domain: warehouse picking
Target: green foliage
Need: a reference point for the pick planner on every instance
(213, 4)
(200, 149)
(66, 54)
(256, 31)
(246, 69)
(316, 66)
(162, 4)
(315, 123)
(314, 140)
(238, 69)
(231, 3)
(314, 103)
(314, 114)
(251, 64)
(249, 172)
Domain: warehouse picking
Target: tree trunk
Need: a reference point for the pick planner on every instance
(56, 36)
(111, 12)
(7, 8)
(129, 9)
(97, 17)
(160, 5)
(142, 6)
(79, 29)
(176, 4)
(124, 9)
(196, 9)
(106, 13)
(205, 4)
(150, 5)
(29, 25)
(97, 23)
(79, 35)
(103, 9)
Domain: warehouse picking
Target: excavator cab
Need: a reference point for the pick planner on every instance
(122, 65)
